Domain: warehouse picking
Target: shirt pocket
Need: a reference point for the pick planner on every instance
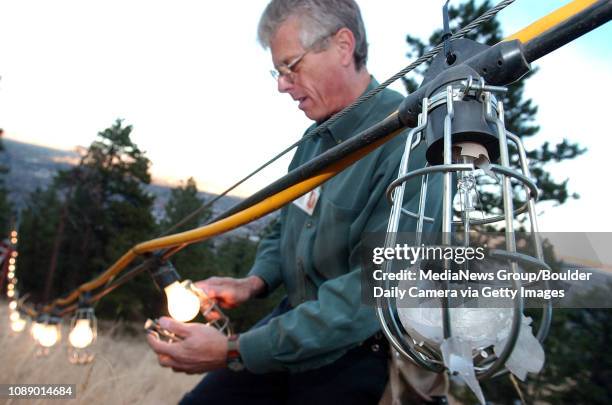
(331, 244)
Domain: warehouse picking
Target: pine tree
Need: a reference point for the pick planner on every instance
(99, 210)
(37, 230)
(6, 209)
(235, 256)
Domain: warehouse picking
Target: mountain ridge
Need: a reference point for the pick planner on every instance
(34, 166)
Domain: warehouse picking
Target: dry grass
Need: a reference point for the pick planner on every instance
(125, 370)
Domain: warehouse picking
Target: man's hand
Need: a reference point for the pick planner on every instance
(202, 349)
(231, 292)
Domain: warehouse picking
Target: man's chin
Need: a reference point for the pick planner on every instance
(314, 115)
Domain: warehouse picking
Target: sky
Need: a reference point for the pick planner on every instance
(191, 79)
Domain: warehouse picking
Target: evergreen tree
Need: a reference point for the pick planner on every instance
(6, 209)
(37, 230)
(235, 256)
(102, 210)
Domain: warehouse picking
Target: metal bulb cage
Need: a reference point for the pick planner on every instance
(421, 353)
(83, 355)
(211, 311)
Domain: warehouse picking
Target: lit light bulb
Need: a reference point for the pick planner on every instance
(11, 267)
(48, 335)
(14, 241)
(10, 293)
(12, 260)
(35, 330)
(13, 305)
(14, 316)
(13, 234)
(183, 304)
(81, 335)
(18, 325)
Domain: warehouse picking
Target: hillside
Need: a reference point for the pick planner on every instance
(33, 166)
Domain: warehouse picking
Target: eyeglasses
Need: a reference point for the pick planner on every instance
(287, 70)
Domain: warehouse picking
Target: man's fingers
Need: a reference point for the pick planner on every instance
(211, 289)
(213, 315)
(161, 347)
(167, 361)
(179, 328)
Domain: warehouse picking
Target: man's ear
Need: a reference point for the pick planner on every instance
(345, 42)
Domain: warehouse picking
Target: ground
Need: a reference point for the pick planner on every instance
(125, 370)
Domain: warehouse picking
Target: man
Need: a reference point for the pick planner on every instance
(321, 344)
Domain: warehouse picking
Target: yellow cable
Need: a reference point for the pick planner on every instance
(260, 209)
(245, 216)
(98, 282)
(549, 21)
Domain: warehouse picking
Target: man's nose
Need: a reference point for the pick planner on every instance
(284, 84)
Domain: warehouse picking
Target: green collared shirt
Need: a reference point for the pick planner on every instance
(317, 256)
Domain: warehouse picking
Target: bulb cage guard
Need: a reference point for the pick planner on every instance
(83, 355)
(211, 311)
(421, 353)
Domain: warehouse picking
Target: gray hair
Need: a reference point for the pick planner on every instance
(318, 18)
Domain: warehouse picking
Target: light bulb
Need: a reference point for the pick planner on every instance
(10, 293)
(13, 305)
(48, 335)
(81, 335)
(36, 329)
(14, 316)
(183, 304)
(18, 325)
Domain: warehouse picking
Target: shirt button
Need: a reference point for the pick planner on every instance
(339, 141)
(308, 224)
